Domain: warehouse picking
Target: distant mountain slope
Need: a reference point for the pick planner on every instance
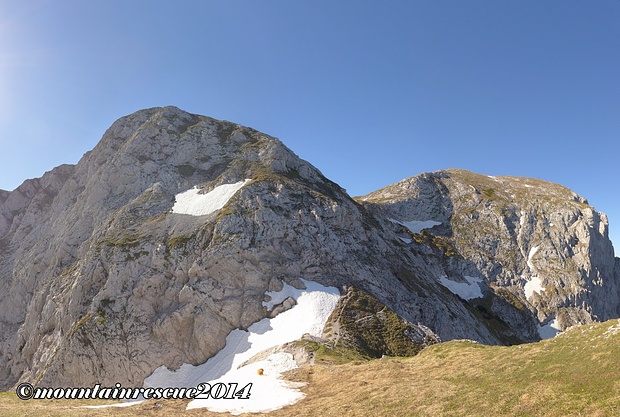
(170, 232)
(536, 244)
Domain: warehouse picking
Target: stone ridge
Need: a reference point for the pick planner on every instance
(502, 187)
(100, 282)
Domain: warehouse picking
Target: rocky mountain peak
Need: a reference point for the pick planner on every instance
(69, 240)
(180, 150)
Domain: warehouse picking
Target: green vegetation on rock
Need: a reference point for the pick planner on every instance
(361, 324)
(510, 297)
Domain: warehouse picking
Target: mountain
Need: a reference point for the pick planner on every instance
(173, 230)
(538, 245)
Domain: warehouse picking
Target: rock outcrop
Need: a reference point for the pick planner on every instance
(105, 274)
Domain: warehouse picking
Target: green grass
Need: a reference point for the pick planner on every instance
(577, 373)
(329, 354)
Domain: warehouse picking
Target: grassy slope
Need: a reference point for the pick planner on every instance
(577, 373)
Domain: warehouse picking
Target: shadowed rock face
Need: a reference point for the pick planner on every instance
(4, 195)
(100, 282)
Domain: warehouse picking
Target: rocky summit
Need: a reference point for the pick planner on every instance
(168, 235)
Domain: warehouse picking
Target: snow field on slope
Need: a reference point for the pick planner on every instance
(532, 286)
(416, 226)
(549, 330)
(466, 290)
(268, 392)
(193, 203)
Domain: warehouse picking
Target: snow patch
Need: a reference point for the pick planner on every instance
(404, 239)
(533, 251)
(466, 290)
(549, 330)
(416, 226)
(125, 404)
(268, 392)
(193, 203)
(532, 286)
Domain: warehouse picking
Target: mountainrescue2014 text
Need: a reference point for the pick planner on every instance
(202, 391)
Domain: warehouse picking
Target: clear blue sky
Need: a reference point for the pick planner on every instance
(370, 92)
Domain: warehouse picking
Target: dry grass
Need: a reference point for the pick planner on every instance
(576, 374)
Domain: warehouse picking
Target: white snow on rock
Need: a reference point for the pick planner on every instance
(193, 203)
(268, 392)
(406, 240)
(535, 284)
(530, 255)
(549, 330)
(416, 226)
(277, 297)
(466, 290)
(532, 286)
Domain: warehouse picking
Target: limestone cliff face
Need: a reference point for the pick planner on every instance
(535, 244)
(103, 279)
